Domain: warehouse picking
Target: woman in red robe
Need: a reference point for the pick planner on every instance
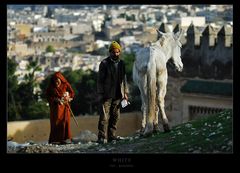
(59, 94)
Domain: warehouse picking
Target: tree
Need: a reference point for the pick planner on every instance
(37, 110)
(26, 89)
(91, 95)
(128, 60)
(122, 15)
(32, 67)
(43, 86)
(131, 18)
(87, 96)
(50, 48)
(13, 108)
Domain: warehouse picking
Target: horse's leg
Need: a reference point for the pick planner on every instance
(140, 79)
(143, 123)
(156, 128)
(151, 99)
(162, 85)
(143, 91)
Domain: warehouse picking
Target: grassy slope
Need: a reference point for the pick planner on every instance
(212, 134)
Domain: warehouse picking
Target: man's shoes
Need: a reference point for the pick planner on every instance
(114, 138)
(102, 141)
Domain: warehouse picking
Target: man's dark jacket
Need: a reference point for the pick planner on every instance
(108, 77)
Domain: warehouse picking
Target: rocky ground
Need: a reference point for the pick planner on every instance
(212, 134)
(75, 147)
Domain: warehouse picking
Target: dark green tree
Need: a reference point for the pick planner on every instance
(75, 78)
(122, 15)
(87, 96)
(13, 107)
(131, 18)
(37, 110)
(25, 91)
(50, 48)
(30, 79)
(134, 95)
(129, 60)
(43, 86)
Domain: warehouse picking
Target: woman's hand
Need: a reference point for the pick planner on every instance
(57, 100)
(66, 99)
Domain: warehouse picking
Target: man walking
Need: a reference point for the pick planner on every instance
(112, 88)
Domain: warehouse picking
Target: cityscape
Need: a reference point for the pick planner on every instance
(80, 34)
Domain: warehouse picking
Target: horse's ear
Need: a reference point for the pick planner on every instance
(160, 33)
(179, 34)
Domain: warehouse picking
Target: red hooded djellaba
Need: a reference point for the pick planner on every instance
(59, 94)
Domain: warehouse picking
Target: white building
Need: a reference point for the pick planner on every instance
(40, 29)
(128, 40)
(47, 22)
(81, 28)
(197, 21)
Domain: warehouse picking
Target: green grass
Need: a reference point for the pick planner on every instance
(211, 134)
(207, 135)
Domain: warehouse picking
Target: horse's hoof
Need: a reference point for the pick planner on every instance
(141, 131)
(156, 129)
(147, 134)
(166, 128)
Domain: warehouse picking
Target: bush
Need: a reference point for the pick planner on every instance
(37, 110)
(50, 48)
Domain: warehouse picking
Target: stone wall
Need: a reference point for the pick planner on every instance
(177, 104)
(38, 130)
(173, 100)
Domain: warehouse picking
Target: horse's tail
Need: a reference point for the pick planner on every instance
(134, 74)
(151, 92)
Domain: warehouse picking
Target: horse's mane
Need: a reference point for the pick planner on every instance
(166, 40)
(163, 41)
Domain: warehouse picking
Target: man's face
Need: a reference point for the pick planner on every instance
(115, 54)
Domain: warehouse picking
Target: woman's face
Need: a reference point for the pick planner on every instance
(57, 82)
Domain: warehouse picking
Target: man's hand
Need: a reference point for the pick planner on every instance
(125, 96)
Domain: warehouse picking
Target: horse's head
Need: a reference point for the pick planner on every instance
(172, 45)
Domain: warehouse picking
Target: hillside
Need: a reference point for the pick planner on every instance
(212, 134)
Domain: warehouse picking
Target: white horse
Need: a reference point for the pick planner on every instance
(150, 75)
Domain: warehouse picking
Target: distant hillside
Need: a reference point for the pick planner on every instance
(212, 134)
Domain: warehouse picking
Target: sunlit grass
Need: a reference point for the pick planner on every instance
(210, 134)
